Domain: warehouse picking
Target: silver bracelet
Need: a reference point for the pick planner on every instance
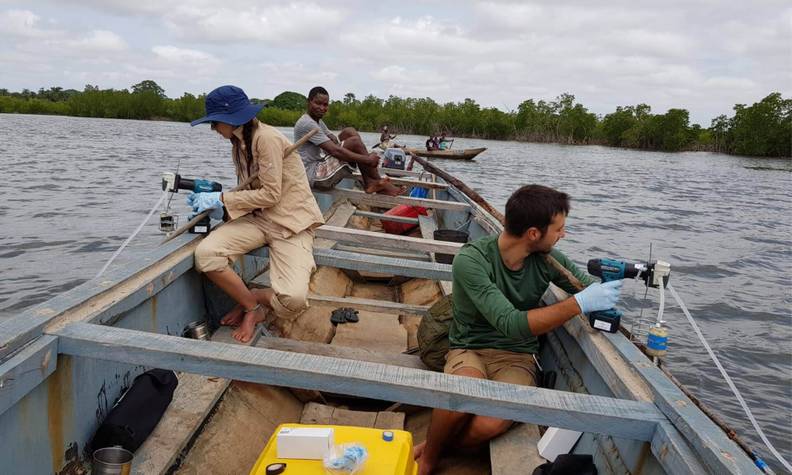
(257, 307)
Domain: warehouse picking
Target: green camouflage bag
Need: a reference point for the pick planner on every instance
(433, 334)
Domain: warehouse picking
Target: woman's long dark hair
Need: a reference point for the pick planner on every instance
(247, 136)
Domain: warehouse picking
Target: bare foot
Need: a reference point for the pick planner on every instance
(379, 185)
(233, 317)
(247, 329)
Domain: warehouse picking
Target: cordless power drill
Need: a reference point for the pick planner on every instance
(173, 182)
(654, 274)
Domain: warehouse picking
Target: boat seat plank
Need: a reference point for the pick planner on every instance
(386, 217)
(409, 182)
(380, 306)
(516, 451)
(385, 201)
(343, 352)
(419, 256)
(195, 396)
(388, 241)
(340, 218)
(378, 264)
(397, 172)
(617, 417)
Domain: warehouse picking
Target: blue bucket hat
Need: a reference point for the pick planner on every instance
(230, 105)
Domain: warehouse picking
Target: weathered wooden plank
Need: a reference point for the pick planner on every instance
(409, 182)
(627, 371)
(384, 201)
(343, 352)
(26, 369)
(387, 241)
(418, 256)
(674, 453)
(339, 217)
(379, 264)
(120, 288)
(428, 226)
(380, 306)
(516, 451)
(620, 418)
(382, 265)
(395, 172)
(386, 217)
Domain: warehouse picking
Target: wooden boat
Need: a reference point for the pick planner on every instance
(455, 154)
(64, 362)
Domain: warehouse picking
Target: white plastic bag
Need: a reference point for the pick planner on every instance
(345, 459)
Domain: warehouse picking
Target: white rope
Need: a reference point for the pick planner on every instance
(730, 382)
(112, 258)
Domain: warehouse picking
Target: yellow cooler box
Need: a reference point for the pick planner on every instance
(389, 452)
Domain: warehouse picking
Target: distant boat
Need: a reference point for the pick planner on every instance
(460, 154)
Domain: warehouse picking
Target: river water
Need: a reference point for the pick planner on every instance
(75, 188)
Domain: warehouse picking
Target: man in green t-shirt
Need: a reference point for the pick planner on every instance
(498, 282)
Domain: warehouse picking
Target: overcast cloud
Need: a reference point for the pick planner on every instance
(704, 56)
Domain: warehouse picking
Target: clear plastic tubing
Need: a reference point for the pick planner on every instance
(131, 236)
(729, 381)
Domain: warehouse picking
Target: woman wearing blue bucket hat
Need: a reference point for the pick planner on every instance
(277, 209)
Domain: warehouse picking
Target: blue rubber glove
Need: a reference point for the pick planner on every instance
(208, 201)
(598, 297)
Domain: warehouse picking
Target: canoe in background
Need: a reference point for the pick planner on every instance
(460, 154)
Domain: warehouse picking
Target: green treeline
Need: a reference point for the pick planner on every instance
(761, 129)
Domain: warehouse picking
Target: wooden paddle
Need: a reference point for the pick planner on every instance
(242, 185)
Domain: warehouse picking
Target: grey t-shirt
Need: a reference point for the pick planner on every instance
(310, 151)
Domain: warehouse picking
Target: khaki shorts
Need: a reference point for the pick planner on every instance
(496, 365)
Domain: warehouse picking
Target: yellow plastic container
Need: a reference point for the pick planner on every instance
(393, 457)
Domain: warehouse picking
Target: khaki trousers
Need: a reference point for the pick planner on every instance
(291, 258)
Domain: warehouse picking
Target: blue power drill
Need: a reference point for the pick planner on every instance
(608, 270)
(172, 183)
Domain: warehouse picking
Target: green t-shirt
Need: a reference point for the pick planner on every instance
(490, 301)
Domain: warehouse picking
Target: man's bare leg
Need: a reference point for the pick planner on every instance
(443, 426)
(372, 181)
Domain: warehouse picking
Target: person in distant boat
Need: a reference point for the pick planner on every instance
(498, 282)
(443, 143)
(385, 136)
(431, 143)
(328, 158)
(277, 210)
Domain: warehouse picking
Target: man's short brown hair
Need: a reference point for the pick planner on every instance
(534, 206)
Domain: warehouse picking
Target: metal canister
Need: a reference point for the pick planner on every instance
(112, 461)
(197, 330)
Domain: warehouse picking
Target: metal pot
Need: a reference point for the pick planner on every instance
(198, 330)
(112, 461)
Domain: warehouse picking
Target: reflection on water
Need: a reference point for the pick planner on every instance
(76, 188)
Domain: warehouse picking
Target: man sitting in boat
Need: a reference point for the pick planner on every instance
(498, 282)
(443, 143)
(328, 159)
(277, 210)
(385, 138)
(431, 144)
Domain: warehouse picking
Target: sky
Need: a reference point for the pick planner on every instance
(701, 55)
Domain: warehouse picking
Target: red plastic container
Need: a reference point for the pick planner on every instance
(392, 227)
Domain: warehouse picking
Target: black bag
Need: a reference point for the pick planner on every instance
(138, 411)
(568, 464)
